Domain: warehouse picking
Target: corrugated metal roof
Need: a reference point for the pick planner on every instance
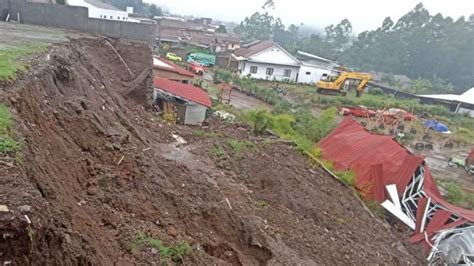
(466, 97)
(379, 161)
(185, 91)
(163, 64)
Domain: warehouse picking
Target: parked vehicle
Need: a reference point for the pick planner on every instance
(196, 68)
(173, 57)
(206, 60)
(458, 162)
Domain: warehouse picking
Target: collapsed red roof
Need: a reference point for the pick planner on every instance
(163, 64)
(379, 161)
(185, 91)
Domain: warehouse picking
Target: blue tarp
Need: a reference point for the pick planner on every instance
(436, 126)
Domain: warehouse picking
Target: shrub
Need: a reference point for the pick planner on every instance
(238, 146)
(217, 151)
(175, 252)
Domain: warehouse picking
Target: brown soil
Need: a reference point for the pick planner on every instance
(97, 169)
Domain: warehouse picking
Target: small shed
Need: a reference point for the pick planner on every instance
(179, 102)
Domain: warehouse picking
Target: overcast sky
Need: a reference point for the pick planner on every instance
(363, 14)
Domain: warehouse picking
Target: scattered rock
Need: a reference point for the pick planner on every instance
(4, 208)
(91, 191)
(172, 231)
(154, 251)
(25, 208)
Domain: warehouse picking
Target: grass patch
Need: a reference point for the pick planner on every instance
(455, 195)
(204, 134)
(374, 207)
(262, 204)
(348, 177)
(7, 144)
(10, 63)
(217, 151)
(175, 252)
(238, 146)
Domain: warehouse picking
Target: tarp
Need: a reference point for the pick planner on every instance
(379, 161)
(437, 126)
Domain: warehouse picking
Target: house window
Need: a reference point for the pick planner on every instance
(287, 73)
(270, 71)
(308, 73)
(253, 70)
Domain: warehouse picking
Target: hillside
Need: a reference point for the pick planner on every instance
(107, 182)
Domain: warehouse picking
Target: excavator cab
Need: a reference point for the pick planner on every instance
(342, 82)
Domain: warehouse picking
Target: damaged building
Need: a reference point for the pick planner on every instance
(402, 183)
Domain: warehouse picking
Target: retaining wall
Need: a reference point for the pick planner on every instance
(75, 18)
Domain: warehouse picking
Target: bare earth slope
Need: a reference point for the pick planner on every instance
(97, 169)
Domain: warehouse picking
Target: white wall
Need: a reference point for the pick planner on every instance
(278, 71)
(463, 110)
(314, 76)
(100, 13)
(195, 114)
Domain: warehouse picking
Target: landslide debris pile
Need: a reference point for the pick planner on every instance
(108, 182)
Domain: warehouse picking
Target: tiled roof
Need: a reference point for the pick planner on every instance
(185, 91)
(251, 50)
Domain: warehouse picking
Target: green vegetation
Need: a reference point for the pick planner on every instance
(348, 177)
(455, 195)
(301, 127)
(175, 252)
(374, 207)
(7, 144)
(217, 151)
(204, 134)
(262, 204)
(238, 146)
(10, 59)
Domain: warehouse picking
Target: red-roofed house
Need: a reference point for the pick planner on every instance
(180, 102)
(168, 70)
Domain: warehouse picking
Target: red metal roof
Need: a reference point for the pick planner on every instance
(185, 91)
(379, 161)
(163, 64)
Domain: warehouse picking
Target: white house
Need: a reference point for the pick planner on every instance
(267, 60)
(313, 67)
(101, 10)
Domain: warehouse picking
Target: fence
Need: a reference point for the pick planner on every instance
(75, 18)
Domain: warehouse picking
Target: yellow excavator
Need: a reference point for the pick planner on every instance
(340, 82)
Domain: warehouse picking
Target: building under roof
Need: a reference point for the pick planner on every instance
(169, 70)
(463, 103)
(179, 102)
(401, 182)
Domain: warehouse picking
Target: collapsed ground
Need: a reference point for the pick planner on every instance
(107, 181)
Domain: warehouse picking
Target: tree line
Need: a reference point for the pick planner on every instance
(435, 50)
